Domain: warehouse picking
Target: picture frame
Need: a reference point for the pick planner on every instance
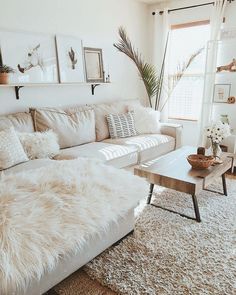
(32, 56)
(70, 59)
(221, 93)
(94, 68)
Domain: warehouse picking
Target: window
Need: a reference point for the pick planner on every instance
(185, 40)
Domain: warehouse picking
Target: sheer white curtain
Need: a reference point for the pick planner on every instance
(215, 22)
(160, 36)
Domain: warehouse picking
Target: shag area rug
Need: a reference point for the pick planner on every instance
(169, 254)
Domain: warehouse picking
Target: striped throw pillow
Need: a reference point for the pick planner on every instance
(121, 125)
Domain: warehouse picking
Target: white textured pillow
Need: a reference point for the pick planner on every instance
(11, 150)
(39, 145)
(146, 120)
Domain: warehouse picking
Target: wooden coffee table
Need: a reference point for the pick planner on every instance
(173, 171)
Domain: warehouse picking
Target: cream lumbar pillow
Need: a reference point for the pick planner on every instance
(11, 149)
(146, 120)
(39, 145)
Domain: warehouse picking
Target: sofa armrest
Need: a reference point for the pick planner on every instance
(174, 130)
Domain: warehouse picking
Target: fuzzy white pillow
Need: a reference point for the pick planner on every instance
(39, 145)
(146, 120)
(11, 150)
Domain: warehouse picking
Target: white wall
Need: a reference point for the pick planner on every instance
(192, 129)
(96, 22)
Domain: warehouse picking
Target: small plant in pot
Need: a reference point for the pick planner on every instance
(4, 73)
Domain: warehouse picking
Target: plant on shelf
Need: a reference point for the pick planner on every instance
(146, 71)
(4, 73)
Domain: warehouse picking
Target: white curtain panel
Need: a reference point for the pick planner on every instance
(161, 31)
(215, 22)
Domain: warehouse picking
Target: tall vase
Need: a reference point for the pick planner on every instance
(216, 152)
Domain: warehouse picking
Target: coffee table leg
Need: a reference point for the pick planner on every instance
(196, 209)
(150, 193)
(224, 184)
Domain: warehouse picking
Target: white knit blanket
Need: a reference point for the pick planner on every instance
(50, 211)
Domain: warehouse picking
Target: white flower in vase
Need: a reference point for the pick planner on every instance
(217, 132)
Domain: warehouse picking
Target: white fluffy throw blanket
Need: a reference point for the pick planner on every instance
(50, 211)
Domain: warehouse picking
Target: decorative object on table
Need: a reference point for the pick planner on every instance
(221, 93)
(231, 100)
(231, 67)
(200, 161)
(201, 151)
(5, 71)
(32, 55)
(217, 132)
(70, 59)
(94, 65)
(224, 119)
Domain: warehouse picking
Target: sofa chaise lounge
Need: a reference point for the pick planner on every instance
(95, 143)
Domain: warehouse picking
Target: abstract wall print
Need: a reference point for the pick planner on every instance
(94, 65)
(222, 93)
(32, 56)
(70, 59)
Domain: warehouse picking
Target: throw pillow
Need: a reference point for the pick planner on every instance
(72, 128)
(11, 149)
(121, 125)
(39, 145)
(146, 120)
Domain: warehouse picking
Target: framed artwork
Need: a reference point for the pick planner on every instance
(70, 59)
(221, 93)
(93, 65)
(32, 56)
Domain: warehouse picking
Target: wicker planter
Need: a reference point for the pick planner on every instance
(4, 78)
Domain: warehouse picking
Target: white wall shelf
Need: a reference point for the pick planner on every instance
(19, 86)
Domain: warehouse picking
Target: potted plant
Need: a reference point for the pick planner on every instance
(4, 73)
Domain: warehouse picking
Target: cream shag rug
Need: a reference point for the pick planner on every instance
(169, 254)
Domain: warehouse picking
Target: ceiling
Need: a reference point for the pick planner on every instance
(154, 1)
(151, 1)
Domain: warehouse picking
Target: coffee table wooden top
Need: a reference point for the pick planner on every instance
(173, 171)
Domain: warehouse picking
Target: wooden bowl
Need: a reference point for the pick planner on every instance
(200, 161)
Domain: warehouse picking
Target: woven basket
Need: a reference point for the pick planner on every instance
(200, 161)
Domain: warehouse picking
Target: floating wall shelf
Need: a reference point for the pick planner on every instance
(19, 86)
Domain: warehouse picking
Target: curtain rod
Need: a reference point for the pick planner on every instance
(188, 7)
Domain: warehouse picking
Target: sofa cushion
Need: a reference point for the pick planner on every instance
(150, 146)
(22, 122)
(40, 145)
(72, 128)
(101, 110)
(11, 149)
(116, 155)
(121, 125)
(147, 120)
(33, 164)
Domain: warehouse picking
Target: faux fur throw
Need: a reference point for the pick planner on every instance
(51, 211)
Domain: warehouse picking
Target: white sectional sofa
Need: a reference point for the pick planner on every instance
(121, 153)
